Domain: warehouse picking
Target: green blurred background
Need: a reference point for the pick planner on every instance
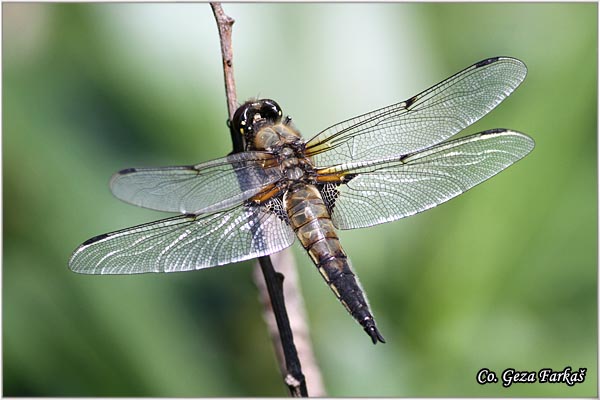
(504, 276)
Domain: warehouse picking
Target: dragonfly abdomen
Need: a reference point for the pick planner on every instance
(312, 224)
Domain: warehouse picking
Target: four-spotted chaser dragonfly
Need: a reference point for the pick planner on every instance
(374, 168)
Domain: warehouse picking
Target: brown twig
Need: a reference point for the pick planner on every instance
(272, 288)
(225, 23)
(284, 261)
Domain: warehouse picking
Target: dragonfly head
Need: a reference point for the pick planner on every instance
(254, 114)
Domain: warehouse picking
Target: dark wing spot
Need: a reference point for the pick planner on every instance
(329, 193)
(127, 171)
(410, 102)
(276, 206)
(349, 177)
(494, 130)
(95, 239)
(404, 157)
(486, 62)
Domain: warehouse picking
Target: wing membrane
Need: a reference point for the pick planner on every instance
(202, 188)
(391, 189)
(423, 120)
(187, 242)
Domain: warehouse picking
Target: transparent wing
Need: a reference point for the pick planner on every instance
(187, 242)
(396, 188)
(207, 187)
(423, 120)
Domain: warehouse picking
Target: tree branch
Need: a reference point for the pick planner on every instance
(225, 23)
(272, 291)
(284, 261)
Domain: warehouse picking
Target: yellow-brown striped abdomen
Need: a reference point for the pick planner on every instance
(312, 223)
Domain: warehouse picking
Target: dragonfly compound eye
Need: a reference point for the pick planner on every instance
(255, 113)
(270, 110)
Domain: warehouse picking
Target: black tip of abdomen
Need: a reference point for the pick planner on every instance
(374, 333)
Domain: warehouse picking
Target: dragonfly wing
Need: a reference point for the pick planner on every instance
(383, 191)
(188, 242)
(423, 120)
(202, 188)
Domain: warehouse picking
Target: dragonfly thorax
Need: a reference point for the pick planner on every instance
(294, 165)
(284, 141)
(275, 138)
(292, 168)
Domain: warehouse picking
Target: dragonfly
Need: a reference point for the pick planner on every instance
(375, 168)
